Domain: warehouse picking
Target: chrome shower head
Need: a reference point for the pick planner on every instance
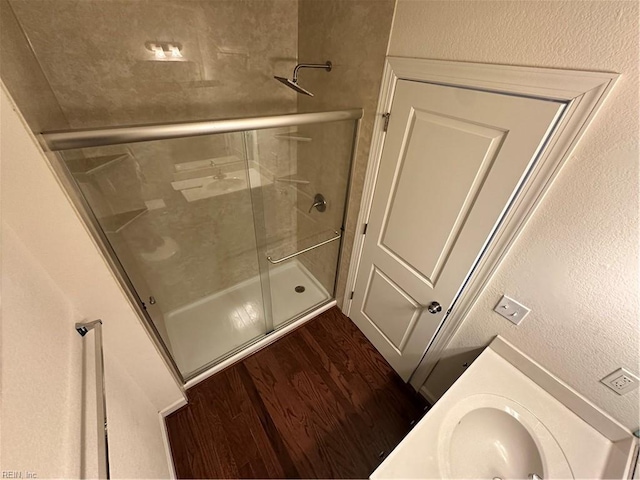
(293, 83)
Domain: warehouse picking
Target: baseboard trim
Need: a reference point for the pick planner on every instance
(167, 447)
(181, 402)
(430, 397)
(162, 414)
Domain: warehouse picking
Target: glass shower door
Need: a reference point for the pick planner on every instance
(178, 215)
(299, 212)
(222, 237)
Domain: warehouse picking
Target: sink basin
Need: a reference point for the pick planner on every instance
(508, 418)
(226, 184)
(489, 436)
(199, 188)
(505, 450)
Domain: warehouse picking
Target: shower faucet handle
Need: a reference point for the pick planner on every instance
(319, 203)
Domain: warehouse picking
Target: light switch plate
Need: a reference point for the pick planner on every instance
(511, 309)
(621, 381)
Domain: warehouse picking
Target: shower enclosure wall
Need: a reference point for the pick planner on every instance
(224, 231)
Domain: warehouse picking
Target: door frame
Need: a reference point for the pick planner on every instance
(583, 92)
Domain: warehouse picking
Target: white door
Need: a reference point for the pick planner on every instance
(452, 160)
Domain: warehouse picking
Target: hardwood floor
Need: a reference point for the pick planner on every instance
(319, 403)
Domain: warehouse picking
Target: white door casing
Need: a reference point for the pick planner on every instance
(452, 160)
(583, 94)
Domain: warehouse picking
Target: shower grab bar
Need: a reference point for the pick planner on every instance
(97, 137)
(308, 249)
(101, 399)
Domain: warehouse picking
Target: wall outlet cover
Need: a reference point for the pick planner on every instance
(511, 309)
(621, 381)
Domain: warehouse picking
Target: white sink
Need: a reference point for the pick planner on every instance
(489, 436)
(489, 443)
(208, 186)
(496, 422)
(226, 184)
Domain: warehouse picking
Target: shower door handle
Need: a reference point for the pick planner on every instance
(308, 249)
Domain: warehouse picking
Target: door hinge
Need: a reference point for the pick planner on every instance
(385, 127)
(364, 230)
(351, 296)
(449, 311)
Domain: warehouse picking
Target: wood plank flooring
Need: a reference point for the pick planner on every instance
(319, 403)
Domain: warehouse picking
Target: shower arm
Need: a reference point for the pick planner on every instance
(327, 66)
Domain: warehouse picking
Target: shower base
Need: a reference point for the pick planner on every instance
(214, 326)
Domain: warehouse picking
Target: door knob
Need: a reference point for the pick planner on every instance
(152, 300)
(434, 307)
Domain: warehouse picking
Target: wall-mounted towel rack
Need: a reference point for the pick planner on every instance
(101, 400)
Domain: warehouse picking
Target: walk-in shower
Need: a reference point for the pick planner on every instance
(222, 231)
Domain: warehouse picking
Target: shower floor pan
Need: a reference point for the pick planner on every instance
(215, 326)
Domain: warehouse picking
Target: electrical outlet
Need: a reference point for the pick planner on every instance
(621, 381)
(511, 310)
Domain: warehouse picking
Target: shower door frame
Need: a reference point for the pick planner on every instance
(53, 142)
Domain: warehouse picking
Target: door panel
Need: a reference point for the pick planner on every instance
(452, 160)
(385, 299)
(471, 150)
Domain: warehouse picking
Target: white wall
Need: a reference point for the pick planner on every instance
(576, 263)
(56, 277)
(136, 447)
(41, 369)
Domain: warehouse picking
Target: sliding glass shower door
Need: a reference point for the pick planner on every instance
(179, 217)
(300, 213)
(224, 237)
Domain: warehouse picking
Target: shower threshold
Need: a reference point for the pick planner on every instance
(214, 331)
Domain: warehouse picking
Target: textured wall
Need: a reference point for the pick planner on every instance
(41, 369)
(576, 263)
(41, 385)
(94, 57)
(24, 78)
(353, 35)
(79, 286)
(136, 446)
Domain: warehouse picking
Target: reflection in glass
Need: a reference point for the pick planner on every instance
(193, 220)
